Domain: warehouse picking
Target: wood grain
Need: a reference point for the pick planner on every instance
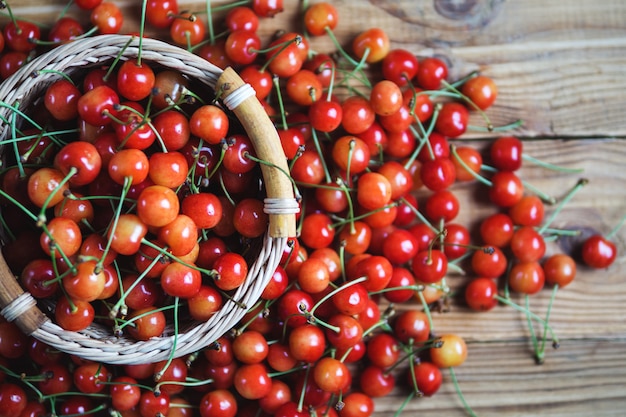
(560, 66)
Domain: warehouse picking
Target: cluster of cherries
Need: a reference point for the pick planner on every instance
(136, 191)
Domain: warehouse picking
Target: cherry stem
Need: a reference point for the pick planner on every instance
(170, 358)
(457, 388)
(503, 128)
(269, 164)
(419, 215)
(473, 173)
(335, 291)
(407, 400)
(539, 354)
(531, 329)
(463, 97)
(510, 303)
(318, 147)
(617, 227)
(281, 105)
(301, 399)
(113, 225)
(580, 184)
(42, 213)
(550, 166)
(429, 317)
(415, 288)
(117, 59)
(343, 53)
(142, 26)
(209, 20)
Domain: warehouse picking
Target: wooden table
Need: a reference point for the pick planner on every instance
(560, 67)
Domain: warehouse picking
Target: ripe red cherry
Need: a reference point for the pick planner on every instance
(108, 17)
(506, 190)
(160, 13)
(13, 399)
(489, 262)
(428, 378)
(400, 66)
(438, 174)
(135, 81)
(527, 244)
(320, 17)
(506, 153)
(371, 45)
(242, 46)
(431, 72)
(526, 277)
(21, 36)
(598, 252)
(481, 90)
(61, 100)
(187, 30)
(430, 266)
(480, 292)
(96, 104)
(452, 120)
(559, 269)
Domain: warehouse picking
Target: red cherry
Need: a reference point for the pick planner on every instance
(598, 252)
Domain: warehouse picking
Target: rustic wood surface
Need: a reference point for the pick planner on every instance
(560, 67)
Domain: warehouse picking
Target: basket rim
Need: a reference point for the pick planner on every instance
(91, 343)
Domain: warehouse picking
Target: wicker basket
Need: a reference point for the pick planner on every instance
(96, 342)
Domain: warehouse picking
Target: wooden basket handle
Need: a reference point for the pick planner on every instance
(17, 305)
(280, 203)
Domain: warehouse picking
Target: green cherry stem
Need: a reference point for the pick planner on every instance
(41, 218)
(335, 291)
(539, 354)
(550, 166)
(510, 303)
(457, 388)
(281, 104)
(580, 184)
(617, 227)
(531, 329)
(170, 358)
(429, 317)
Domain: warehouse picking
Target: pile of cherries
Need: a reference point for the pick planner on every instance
(137, 197)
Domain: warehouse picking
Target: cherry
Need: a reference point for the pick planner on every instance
(107, 17)
(75, 316)
(438, 174)
(325, 115)
(411, 325)
(231, 269)
(160, 13)
(526, 277)
(373, 191)
(480, 90)
(242, 46)
(453, 351)
(252, 381)
(400, 66)
(358, 115)
(135, 81)
(372, 45)
(259, 78)
(471, 159)
(497, 230)
(428, 378)
(148, 323)
(559, 269)
(307, 343)
(527, 244)
(13, 399)
(386, 98)
(375, 382)
(480, 294)
(218, 403)
(267, 8)
(95, 105)
(598, 252)
(61, 100)
(331, 375)
(506, 153)
(187, 30)
(357, 404)
(452, 120)
(320, 17)
(431, 72)
(442, 205)
(21, 36)
(210, 123)
(81, 156)
(506, 190)
(489, 262)
(91, 378)
(125, 393)
(429, 265)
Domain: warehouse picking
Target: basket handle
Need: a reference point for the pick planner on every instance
(17, 305)
(280, 203)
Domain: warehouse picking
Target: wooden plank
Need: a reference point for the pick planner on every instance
(584, 379)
